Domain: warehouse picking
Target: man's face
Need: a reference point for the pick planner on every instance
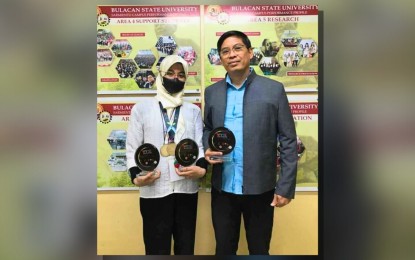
(150, 78)
(236, 59)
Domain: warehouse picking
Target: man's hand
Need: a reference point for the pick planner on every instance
(279, 201)
(209, 153)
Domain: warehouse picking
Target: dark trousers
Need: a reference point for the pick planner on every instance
(167, 217)
(258, 215)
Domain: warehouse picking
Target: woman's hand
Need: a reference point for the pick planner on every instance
(147, 179)
(191, 172)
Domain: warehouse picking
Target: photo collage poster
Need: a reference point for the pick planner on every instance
(113, 116)
(284, 39)
(133, 40)
(305, 112)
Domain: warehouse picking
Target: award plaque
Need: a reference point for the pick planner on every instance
(222, 139)
(187, 152)
(147, 157)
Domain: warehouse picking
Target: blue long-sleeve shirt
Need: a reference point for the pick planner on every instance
(232, 177)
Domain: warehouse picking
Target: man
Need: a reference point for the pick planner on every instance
(150, 81)
(256, 110)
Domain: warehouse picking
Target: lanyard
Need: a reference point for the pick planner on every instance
(170, 125)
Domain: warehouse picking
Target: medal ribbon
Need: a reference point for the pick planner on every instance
(170, 125)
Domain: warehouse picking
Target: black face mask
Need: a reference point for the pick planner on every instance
(173, 86)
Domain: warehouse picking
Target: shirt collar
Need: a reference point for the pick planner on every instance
(229, 83)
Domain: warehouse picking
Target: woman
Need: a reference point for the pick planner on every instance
(168, 197)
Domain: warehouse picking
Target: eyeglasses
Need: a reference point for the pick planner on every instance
(171, 74)
(238, 48)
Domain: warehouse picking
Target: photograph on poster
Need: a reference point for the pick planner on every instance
(188, 54)
(104, 57)
(126, 68)
(213, 57)
(290, 38)
(145, 79)
(269, 66)
(291, 58)
(121, 48)
(118, 162)
(145, 59)
(257, 56)
(117, 139)
(104, 37)
(269, 48)
(166, 45)
(307, 48)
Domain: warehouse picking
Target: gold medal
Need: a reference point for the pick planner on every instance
(171, 148)
(163, 150)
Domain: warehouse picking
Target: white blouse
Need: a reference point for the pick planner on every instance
(146, 126)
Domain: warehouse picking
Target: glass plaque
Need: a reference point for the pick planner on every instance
(187, 152)
(147, 158)
(222, 139)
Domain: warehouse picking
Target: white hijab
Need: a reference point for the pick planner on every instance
(166, 99)
(169, 101)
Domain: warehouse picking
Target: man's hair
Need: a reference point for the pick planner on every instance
(238, 34)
